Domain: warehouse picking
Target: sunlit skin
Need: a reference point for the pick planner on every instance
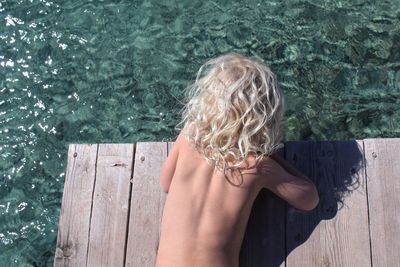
(212, 174)
(205, 215)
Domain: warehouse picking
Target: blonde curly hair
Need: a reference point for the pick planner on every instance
(234, 110)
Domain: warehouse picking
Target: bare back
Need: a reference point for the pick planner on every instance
(205, 216)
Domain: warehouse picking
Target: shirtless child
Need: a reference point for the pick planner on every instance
(221, 160)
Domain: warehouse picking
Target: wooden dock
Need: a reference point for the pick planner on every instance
(112, 205)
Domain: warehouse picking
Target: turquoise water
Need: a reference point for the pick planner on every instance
(115, 71)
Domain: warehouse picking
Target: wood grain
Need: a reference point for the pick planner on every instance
(383, 176)
(74, 223)
(336, 232)
(147, 202)
(110, 205)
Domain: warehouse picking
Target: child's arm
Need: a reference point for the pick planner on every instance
(289, 184)
(289, 168)
(168, 168)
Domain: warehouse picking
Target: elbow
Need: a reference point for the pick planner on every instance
(316, 197)
(164, 190)
(314, 200)
(314, 203)
(164, 187)
(310, 200)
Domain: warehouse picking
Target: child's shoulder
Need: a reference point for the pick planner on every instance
(181, 139)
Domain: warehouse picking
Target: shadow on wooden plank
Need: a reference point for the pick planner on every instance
(336, 168)
(264, 240)
(275, 229)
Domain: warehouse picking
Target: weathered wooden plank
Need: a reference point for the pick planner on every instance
(264, 241)
(336, 232)
(383, 177)
(73, 228)
(110, 205)
(327, 236)
(147, 202)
